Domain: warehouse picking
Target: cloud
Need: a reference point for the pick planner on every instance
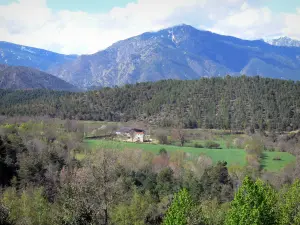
(291, 27)
(250, 23)
(31, 22)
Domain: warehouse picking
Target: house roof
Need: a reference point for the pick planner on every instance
(129, 129)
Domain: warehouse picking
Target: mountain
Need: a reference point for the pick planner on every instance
(180, 52)
(284, 41)
(18, 55)
(17, 77)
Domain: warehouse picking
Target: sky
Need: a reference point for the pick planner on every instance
(87, 26)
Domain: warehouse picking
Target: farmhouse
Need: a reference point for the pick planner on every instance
(131, 134)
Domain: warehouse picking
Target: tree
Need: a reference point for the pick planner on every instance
(254, 203)
(3, 214)
(162, 137)
(166, 183)
(135, 212)
(8, 159)
(28, 208)
(213, 212)
(92, 190)
(179, 134)
(289, 209)
(254, 146)
(217, 183)
(182, 210)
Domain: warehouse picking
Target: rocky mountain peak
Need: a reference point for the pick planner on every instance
(284, 41)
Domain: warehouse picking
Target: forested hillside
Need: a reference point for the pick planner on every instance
(227, 103)
(22, 78)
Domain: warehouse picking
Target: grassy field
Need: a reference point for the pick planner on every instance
(231, 156)
(272, 165)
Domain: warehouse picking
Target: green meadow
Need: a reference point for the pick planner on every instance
(231, 155)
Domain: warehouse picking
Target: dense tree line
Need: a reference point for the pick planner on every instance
(228, 103)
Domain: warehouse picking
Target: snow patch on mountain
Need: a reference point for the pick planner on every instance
(283, 41)
(23, 48)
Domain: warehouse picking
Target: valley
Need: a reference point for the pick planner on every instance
(174, 126)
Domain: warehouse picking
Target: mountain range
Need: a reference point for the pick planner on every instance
(180, 52)
(19, 77)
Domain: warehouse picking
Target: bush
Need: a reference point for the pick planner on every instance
(239, 142)
(197, 145)
(163, 151)
(277, 158)
(162, 139)
(212, 144)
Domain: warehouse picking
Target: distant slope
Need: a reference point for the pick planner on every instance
(180, 52)
(284, 41)
(223, 103)
(16, 78)
(18, 55)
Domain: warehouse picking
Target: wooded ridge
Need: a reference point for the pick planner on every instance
(226, 103)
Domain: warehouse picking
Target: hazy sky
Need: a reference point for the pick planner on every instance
(81, 27)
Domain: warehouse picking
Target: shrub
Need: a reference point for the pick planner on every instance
(277, 158)
(163, 151)
(211, 144)
(239, 142)
(197, 145)
(162, 139)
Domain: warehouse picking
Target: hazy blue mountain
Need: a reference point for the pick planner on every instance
(18, 77)
(283, 41)
(19, 55)
(180, 52)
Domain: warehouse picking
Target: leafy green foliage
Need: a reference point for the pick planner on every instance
(28, 208)
(213, 212)
(179, 210)
(289, 205)
(135, 212)
(43, 183)
(254, 203)
(211, 144)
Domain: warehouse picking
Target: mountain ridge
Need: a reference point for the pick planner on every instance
(21, 55)
(23, 78)
(180, 52)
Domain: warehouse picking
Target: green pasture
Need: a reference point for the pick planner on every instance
(231, 156)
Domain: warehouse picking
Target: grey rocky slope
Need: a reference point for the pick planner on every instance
(284, 41)
(180, 52)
